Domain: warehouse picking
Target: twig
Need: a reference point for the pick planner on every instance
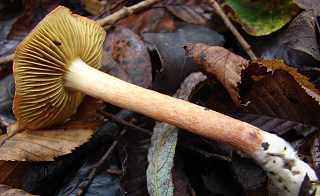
(6, 59)
(108, 20)
(85, 184)
(126, 11)
(244, 44)
(125, 123)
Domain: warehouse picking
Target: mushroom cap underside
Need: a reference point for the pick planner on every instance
(41, 61)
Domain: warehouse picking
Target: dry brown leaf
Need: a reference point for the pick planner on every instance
(43, 145)
(221, 63)
(303, 81)
(277, 94)
(8, 191)
(126, 57)
(152, 20)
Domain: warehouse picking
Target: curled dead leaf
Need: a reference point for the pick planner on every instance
(221, 63)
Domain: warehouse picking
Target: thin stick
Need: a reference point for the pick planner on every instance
(108, 20)
(126, 11)
(125, 123)
(233, 29)
(85, 184)
(6, 59)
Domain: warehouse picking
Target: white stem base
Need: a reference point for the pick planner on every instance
(274, 154)
(282, 164)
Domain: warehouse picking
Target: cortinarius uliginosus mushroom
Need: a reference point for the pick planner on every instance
(55, 64)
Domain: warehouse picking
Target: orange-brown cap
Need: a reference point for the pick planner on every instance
(41, 61)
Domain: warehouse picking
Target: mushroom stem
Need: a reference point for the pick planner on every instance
(270, 151)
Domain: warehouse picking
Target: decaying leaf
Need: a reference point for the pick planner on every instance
(43, 145)
(277, 94)
(276, 125)
(301, 35)
(8, 191)
(251, 177)
(315, 152)
(126, 57)
(190, 11)
(34, 11)
(106, 181)
(221, 63)
(160, 158)
(133, 154)
(308, 4)
(6, 96)
(172, 65)
(309, 88)
(262, 17)
(163, 145)
(296, 44)
(152, 20)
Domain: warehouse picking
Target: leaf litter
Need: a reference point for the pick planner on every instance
(269, 94)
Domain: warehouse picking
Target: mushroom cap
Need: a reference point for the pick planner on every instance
(41, 62)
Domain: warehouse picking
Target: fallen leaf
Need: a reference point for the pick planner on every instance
(276, 125)
(104, 182)
(180, 180)
(190, 11)
(125, 56)
(301, 35)
(277, 94)
(170, 61)
(133, 155)
(8, 191)
(309, 88)
(296, 45)
(250, 176)
(34, 11)
(262, 17)
(9, 12)
(43, 145)
(308, 4)
(220, 63)
(153, 20)
(315, 153)
(6, 96)
(163, 144)
(160, 158)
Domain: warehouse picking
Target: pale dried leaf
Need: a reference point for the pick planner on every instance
(8, 191)
(221, 63)
(163, 145)
(43, 145)
(160, 157)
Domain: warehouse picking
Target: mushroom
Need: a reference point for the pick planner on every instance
(56, 64)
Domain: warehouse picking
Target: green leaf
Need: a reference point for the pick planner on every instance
(262, 17)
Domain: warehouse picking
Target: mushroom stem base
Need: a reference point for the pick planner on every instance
(264, 147)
